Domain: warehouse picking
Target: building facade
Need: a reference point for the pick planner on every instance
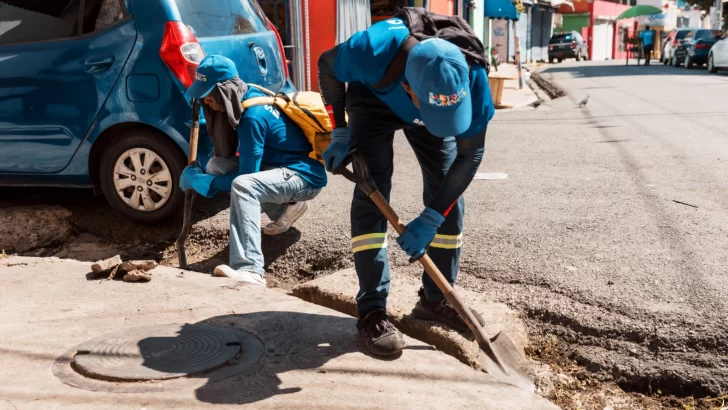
(596, 21)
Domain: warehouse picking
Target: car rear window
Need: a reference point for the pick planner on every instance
(215, 18)
(20, 20)
(703, 35)
(681, 34)
(561, 38)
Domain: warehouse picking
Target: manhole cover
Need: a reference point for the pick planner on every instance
(157, 352)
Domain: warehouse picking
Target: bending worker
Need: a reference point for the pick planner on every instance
(443, 106)
(273, 173)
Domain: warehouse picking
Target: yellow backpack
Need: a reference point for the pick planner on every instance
(306, 109)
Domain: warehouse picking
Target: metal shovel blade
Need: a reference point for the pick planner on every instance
(509, 365)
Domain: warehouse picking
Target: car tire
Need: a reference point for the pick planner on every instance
(674, 62)
(688, 62)
(132, 194)
(560, 60)
(578, 56)
(551, 60)
(711, 65)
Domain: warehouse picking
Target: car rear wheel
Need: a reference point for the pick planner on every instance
(711, 65)
(688, 62)
(139, 176)
(674, 62)
(578, 56)
(551, 60)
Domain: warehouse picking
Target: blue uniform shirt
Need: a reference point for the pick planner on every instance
(267, 137)
(648, 37)
(364, 59)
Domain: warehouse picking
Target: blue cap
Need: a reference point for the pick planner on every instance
(440, 78)
(212, 70)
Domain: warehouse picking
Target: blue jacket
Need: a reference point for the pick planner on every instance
(268, 138)
(364, 59)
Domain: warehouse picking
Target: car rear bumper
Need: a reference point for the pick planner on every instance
(700, 56)
(562, 54)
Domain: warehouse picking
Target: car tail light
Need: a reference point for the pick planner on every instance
(551, 47)
(573, 45)
(674, 43)
(181, 51)
(702, 46)
(280, 46)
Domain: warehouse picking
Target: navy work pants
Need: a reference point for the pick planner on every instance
(372, 125)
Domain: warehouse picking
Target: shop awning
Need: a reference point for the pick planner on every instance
(558, 3)
(500, 9)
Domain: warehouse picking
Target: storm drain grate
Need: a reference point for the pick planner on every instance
(158, 352)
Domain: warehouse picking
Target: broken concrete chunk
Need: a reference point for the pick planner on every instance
(127, 267)
(137, 276)
(146, 265)
(106, 264)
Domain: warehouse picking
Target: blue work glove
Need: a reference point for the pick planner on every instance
(193, 178)
(337, 150)
(420, 232)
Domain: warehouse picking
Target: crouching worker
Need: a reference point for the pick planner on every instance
(273, 173)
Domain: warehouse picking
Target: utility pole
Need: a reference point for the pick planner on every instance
(518, 57)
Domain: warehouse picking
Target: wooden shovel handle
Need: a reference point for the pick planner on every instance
(434, 273)
(194, 132)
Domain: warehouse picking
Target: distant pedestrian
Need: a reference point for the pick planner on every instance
(648, 43)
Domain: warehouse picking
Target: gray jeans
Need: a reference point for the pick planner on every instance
(268, 191)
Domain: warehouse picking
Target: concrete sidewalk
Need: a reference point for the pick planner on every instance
(511, 94)
(311, 358)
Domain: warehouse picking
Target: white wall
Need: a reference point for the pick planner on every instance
(478, 22)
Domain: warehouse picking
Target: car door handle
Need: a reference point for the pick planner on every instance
(98, 64)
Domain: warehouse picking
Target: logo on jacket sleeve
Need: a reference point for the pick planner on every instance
(442, 100)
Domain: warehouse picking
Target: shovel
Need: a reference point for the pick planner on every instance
(190, 194)
(498, 356)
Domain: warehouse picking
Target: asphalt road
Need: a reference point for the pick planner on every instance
(610, 232)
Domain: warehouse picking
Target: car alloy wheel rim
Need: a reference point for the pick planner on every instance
(142, 179)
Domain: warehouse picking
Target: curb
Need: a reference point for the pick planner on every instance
(550, 88)
(336, 292)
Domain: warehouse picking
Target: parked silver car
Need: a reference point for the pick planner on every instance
(673, 40)
(718, 57)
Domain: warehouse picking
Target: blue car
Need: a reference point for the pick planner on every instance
(695, 48)
(91, 92)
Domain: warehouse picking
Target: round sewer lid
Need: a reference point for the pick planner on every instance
(158, 352)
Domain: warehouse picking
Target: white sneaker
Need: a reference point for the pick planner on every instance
(282, 224)
(239, 275)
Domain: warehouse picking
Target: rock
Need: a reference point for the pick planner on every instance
(24, 228)
(146, 265)
(138, 265)
(106, 264)
(137, 276)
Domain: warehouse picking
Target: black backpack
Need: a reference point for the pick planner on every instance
(424, 24)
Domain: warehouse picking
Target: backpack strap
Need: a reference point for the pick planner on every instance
(255, 101)
(270, 93)
(395, 70)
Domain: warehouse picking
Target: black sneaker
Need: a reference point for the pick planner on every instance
(441, 311)
(379, 335)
